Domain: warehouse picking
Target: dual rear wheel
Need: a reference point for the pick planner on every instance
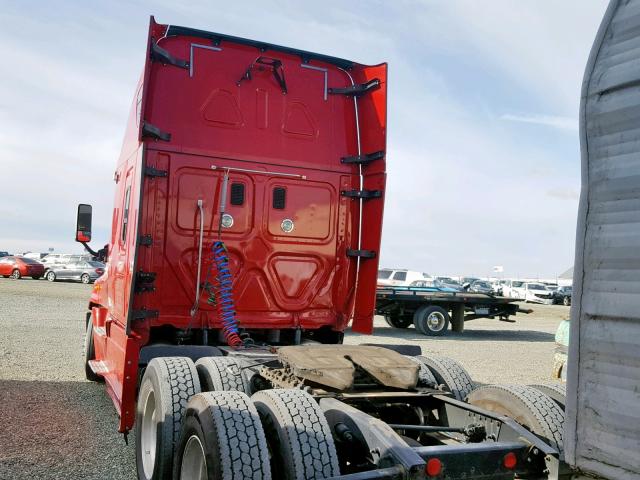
(224, 433)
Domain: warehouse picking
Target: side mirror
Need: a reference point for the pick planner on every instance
(83, 223)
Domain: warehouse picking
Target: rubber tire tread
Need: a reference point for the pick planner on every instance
(451, 373)
(176, 381)
(425, 377)
(547, 413)
(90, 354)
(305, 448)
(231, 433)
(221, 374)
(397, 321)
(556, 391)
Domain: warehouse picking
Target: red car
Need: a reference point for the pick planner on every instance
(18, 267)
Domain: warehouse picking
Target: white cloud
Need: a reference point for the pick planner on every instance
(563, 123)
(466, 190)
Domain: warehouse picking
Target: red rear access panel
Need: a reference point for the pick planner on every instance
(302, 138)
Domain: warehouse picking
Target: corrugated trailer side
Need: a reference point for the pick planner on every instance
(602, 430)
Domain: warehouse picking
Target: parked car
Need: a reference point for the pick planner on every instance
(434, 284)
(87, 271)
(497, 287)
(400, 278)
(34, 255)
(563, 295)
(4, 254)
(513, 289)
(18, 267)
(481, 286)
(469, 280)
(538, 293)
(449, 282)
(55, 261)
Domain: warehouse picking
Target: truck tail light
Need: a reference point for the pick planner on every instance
(434, 467)
(510, 461)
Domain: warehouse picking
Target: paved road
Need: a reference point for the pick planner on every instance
(56, 425)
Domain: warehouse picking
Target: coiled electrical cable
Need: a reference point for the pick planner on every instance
(220, 292)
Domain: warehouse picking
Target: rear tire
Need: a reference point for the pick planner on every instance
(425, 377)
(566, 301)
(84, 278)
(431, 320)
(527, 406)
(16, 275)
(398, 321)
(221, 437)
(51, 276)
(221, 374)
(167, 385)
(449, 373)
(298, 435)
(556, 391)
(89, 354)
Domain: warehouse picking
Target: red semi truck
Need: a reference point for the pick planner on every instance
(245, 237)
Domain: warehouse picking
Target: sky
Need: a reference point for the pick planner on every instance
(482, 149)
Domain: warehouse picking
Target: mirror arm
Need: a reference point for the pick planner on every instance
(89, 249)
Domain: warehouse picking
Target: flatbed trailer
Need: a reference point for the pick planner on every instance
(432, 309)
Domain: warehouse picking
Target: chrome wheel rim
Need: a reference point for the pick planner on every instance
(51, 276)
(194, 463)
(149, 434)
(15, 274)
(85, 278)
(435, 321)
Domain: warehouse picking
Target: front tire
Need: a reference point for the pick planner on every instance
(85, 278)
(167, 385)
(298, 435)
(221, 437)
(566, 301)
(16, 275)
(431, 320)
(51, 276)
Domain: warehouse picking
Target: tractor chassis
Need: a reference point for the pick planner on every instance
(468, 441)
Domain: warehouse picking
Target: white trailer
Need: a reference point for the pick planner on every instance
(602, 428)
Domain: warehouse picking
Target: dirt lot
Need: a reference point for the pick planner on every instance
(57, 425)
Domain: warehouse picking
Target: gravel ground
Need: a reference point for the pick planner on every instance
(56, 425)
(490, 350)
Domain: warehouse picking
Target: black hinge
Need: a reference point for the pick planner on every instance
(361, 253)
(145, 240)
(144, 282)
(154, 172)
(159, 54)
(365, 159)
(358, 89)
(152, 131)
(144, 313)
(364, 194)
